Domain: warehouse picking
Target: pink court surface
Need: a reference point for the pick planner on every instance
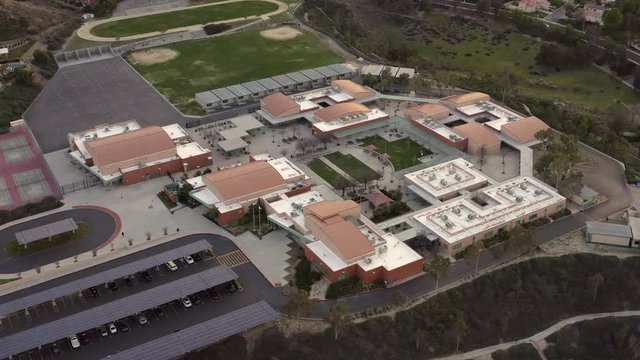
(25, 176)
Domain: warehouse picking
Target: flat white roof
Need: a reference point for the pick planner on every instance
(440, 129)
(196, 182)
(290, 208)
(233, 133)
(513, 199)
(448, 177)
(317, 95)
(409, 71)
(286, 168)
(94, 169)
(373, 115)
(262, 157)
(232, 144)
(328, 257)
(204, 196)
(246, 122)
(372, 69)
(99, 132)
(175, 132)
(191, 149)
(4, 51)
(392, 255)
(499, 115)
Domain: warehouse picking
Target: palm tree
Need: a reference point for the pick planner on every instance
(337, 319)
(439, 266)
(460, 328)
(596, 281)
(473, 253)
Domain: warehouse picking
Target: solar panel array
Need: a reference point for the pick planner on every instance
(45, 231)
(75, 286)
(197, 336)
(118, 309)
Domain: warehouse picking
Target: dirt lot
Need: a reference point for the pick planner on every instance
(154, 56)
(281, 33)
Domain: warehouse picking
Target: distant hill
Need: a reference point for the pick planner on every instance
(20, 18)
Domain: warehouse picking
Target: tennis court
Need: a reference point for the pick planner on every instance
(31, 185)
(15, 149)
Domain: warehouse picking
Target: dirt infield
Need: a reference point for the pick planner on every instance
(281, 33)
(153, 56)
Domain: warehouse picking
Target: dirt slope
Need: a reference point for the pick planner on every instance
(30, 17)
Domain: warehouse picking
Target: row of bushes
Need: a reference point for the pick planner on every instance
(46, 204)
(350, 286)
(560, 214)
(389, 211)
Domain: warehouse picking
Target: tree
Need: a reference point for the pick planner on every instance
(299, 303)
(439, 266)
(460, 328)
(506, 79)
(398, 298)
(522, 239)
(613, 21)
(183, 192)
(545, 137)
(596, 281)
(23, 76)
(342, 183)
(473, 253)
(337, 319)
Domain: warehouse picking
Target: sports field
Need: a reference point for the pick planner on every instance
(324, 171)
(207, 64)
(188, 17)
(404, 152)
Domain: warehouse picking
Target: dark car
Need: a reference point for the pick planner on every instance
(196, 257)
(195, 299)
(94, 291)
(159, 313)
(129, 280)
(85, 339)
(215, 295)
(55, 349)
(230, 287)
(146, 276)
(122, 326)
(112, 285)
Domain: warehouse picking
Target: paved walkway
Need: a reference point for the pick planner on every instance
(539, 336)
(85, 31)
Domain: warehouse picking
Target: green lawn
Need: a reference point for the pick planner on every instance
(207, 64)
(352, 166)
(4, 281)
(485, 49)
(15, 249)
(324, 171)
(404, 152)
(188, 17)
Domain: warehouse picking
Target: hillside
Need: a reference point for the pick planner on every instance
(30, 17)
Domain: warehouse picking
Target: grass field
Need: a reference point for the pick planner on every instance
(483, 49)
(352, 166)
(404, 152)
(232, 59)
(15, 249)
(324, 171)
(188, 17)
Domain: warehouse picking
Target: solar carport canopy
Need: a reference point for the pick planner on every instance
(118, 309)
(46, 231)
(78, 285)
(197, 336)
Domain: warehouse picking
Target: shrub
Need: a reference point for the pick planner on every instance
(215, 28)
(305, 276)
(560, 214)
(46, 204)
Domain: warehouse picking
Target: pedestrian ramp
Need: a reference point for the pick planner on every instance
(233, 259)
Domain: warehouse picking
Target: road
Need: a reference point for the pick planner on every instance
(539, 336)
(102, 226)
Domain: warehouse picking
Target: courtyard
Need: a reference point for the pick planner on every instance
(404, 153)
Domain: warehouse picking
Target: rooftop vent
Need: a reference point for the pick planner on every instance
(458, 177)
(456, 211)
(449, 224)
(432, 176)
(443, 217)
(443, 182)
(368, 261)
(519, 199)
(523, 186)
(471, 216)
(538, 192)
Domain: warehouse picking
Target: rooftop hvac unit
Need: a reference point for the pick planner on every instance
(456, 211)
(471, 216)
(368, 261)
(458, 177)
(383, 249)
(126, 128)
(106, 128)
(443, 182)
(448, 224)
(432, 176)
(519, 199)
(443, 217)
(538, 192)
(523, 186)
(510, 191)
(452, 170)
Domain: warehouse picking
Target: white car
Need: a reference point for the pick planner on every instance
(185, 302)
(75, 343)
(112, 328)
(172, 266)
(189, 259)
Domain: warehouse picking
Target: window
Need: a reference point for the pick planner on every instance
(456, 246)
(224, 101)
(209, 104)
(256, 94)
(533, 216)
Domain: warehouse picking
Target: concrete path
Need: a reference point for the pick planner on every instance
(85, 31)
(539, 336)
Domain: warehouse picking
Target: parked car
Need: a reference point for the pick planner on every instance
(215, 295)
(195, 299)
(129, 280)
(103, 331)
(159, 313)
(94, 291)
(112, 285)
(142, 320)
(55, 349)
(172, 266)
(188, 259)
(146, 276)
(75, 343)
(196, 257)
(236, 283)
(231, 288)
(185, 302)
(122, 326)
(85, 339)
(112, 328)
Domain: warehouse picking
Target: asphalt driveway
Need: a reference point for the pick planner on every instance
(101, 227)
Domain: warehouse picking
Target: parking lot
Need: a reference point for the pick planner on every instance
(163, 320)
